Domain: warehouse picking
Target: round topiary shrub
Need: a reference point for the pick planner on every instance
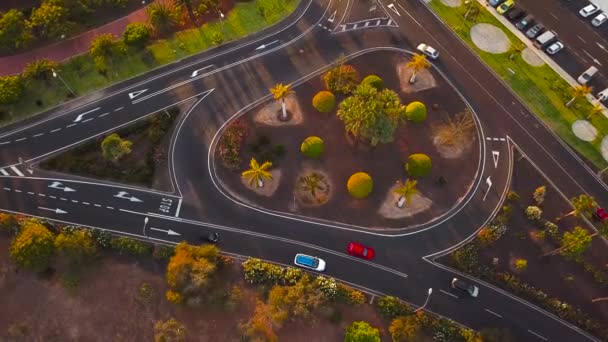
(416, 111)
(312, 147)
(324, 101)
(418, 165)
(359, 185)
(374, 81)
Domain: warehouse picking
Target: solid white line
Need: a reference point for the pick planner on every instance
(38, 135)
(493, 313)
(16, 170)
(537, 335)
(4, 172)
(179, 207)
(20, 139)
(449, 294)
(116, 110)
(56, 130)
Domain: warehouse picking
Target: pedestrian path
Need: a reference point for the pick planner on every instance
(12, 171)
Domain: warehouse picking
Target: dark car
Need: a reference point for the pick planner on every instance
(495, 3)
(525, 22)
(515, 13)
(463, 286)
(212, 237)
(535, 30)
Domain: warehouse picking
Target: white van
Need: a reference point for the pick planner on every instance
(586, 76)
(545, 39)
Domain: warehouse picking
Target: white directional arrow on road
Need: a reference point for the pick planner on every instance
(489, 183)
(195, 72)
(263, 46)
(81, 116)
(495, 155)
(169, 232)
(392, 7)
(332, 17)
(137, 93)
(59, 186)
(56, 211)
(125, 195)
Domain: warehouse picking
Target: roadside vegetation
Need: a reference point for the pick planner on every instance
(170, 34)
(550, 97)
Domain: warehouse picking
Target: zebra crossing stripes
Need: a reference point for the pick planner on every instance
(11, 171)
(363, 24)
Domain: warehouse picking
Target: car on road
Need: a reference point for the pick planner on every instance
(525, 22)
(535, 30)
(212, 237)
(586, 76)
(555, 47)
(428, 50)
(515, 13)
(495, 3)
(310, 262)
(589, 10)
(601, 215)
(599, 19)
(359, 250)
(602, 95)
(463, 286)
(505, 6)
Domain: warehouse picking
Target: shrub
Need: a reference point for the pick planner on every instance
(190, 271)
(513, 196)
(136, 34)
(41, 69)
(374, 81)
(324, 101)
(360, 185)
(128, 246)
(551, 228)
(8, 223)
(231, 143)
(361, 332)
(533, 213)
(486, 236)
(341, 79)
(418, 165)
(391, 307)
(327, 286)
(539, 194)
(521, 264)
(349, 295)
(103, 238)
(113, 147)
(416, 111)
(162, 252)
(33, 247)
(312, 147)
(259, 272)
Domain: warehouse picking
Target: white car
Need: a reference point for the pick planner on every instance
(599, 19)
(589, 10)
(555, 47)
(428, 50)
(310, 262)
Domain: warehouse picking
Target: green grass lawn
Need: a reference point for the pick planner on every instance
(541, 88)
(80, 72)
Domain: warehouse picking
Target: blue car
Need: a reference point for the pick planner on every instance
(310, 262)
(495, 3)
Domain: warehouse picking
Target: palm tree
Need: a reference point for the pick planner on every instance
(417, 63)
(312, 183)
(189, 9)
(280, 92)
(406, 191)
(162, 17)
(596, 109)
(579, 91)
(257, 173)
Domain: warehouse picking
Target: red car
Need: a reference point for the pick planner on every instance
(601, 215)
(359, 250)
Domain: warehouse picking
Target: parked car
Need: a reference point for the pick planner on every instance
(602, 95)
(495, 3)
(525, 22)
(588, 10)
(515, 13)
(505, 6)
(212, 237)
(428, 50)
(599, 19)
(586, 76)
(463, 286)
(535, 30)
(555, 47)
(359, 250)
(601, 215)
(310, 262)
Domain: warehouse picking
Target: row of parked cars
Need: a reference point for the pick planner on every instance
(592, 9)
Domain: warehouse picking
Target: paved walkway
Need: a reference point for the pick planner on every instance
(70, 47)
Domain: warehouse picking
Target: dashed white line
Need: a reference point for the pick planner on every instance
(116, 110)
(581, 39)
(104, 114)
(87, 120)
(5, 142)
(537, 335)
(86, 203)
(53, 197)
(7, 189)
(112, 208)
(30, 193)
(63, 199)
(38, 135)
(17, 190)
(493, 313)
(554, 16)
(20, 139)
(42, 195)
(449, 294)
(56, 130)
(74, 201)
(97, 205)
(71, 125)
(495, 139)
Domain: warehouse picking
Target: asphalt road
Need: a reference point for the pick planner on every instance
(223, 81)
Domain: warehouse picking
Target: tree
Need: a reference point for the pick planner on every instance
(161, 17)
(295, 301)
(260, 326)
(188, 4)
(405, 328)
(539, 194)
(79, 246)
(136, 34)
(50, 20)
(416, 111)
(406, 191)
(391, 307)
(113, 147)
(583, 204)
(14, 31)
(418, 165)
(280, 92)
(170, 330)
(361, 332)
(575, 243)
(595, 110)
(190, 270)
(41, 69)
(324, 101)
(533, 213)
(257, 173)
(371, 114)
(455, 130)
(11, 89)
(105, 46)
(360, 185)
(579, 91)
(33, 247)
(417, 63)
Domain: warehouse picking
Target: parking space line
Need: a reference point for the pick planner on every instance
(493, 313)
(581, 39)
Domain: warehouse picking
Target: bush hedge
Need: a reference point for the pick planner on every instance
(416, 111)
(360, 185)
(324, 101)
(312, 147)
(418, 165)
(374, 81)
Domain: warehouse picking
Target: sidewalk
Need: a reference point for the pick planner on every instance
(65, 49)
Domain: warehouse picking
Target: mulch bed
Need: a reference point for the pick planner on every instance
(342, 157)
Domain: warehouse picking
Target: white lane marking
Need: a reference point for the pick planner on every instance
(581, 39)
(87, 120)
(392, 7)
(104, 114)
(63, 199)
(86, 203)
(97, 205)
(333, 16)
(56, 130)
(447, 293)
(537, 335)
(42, 195)
(17, 190)
(5, 142)
(588, 54)
(38, 135)
(136, 93)
(195, 72)
(71, 125)
(7, 189)
(554, 16)
(20, 139)
(112, 208)
(53, 197)
(493, 313)
(80, 116)
(4, 172)
(179, 207)
(74, 201)
(263, 46)
(116, 110)
(16, 170)
(30, 193)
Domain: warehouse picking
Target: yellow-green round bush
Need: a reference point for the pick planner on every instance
(374, 81)
(359, 185)
(324, 101)
(416, 111)
(312, 147)
(418, 165)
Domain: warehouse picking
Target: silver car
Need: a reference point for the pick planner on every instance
(555, 47)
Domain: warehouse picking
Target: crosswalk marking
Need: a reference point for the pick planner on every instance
(4, 172)
(16, 170)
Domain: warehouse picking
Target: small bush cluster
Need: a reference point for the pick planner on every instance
(533, 213)
(416, 111)
(341, 79)
(418, 165)
(231, 143)
(258, 272)
(391, 307)
(312, 147)
(128, 246)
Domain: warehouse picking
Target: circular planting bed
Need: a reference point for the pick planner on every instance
(531, 57)
(332, 161)
(490, 38)
(451, 3)
(584, 130)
